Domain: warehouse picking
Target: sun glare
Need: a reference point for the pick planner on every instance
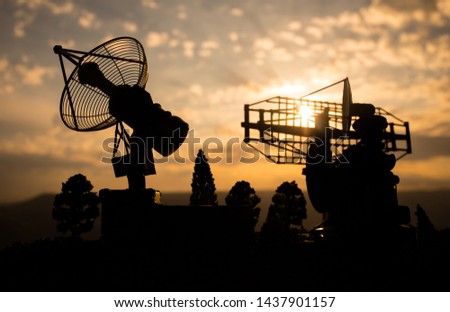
(306, 116)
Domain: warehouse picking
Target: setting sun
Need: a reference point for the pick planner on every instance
(306, 116)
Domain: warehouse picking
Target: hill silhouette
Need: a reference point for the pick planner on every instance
(31, 220)
(27, 220)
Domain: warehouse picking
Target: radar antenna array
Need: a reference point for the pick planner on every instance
(283, 128)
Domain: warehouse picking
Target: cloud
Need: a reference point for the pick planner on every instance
(188, 48)
(55, 7)
(4, 64)
(88, 19)
(444, 7)
(60, 8)
(26, 12)
(382, 17)
(315, 32)
(152, 4)
(196, 89)
(266, 48)
(11, 75)
(236, 12)
(207, 47)
(282, 55)
(6, 76)
(291, 37)
(156, 39)
(294, 25)
(399, 49)
(7, 89)
(60, 145)
(34, 76)
(433, 173)
(407, 5)
(233, 36)
(423, 102)
(373, 16)
(130, 26)
(181, 12)
(428, 147)
(210, 44)
(265, 43)
(262, 48)
(24, 19)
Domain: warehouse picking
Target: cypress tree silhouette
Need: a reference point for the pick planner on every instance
(203, 188)
(76, 207)
(242, 194)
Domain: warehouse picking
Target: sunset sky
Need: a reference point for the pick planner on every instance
(207, 59)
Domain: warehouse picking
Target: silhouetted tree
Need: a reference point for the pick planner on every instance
(76, 207)
(287, 211)
(203, 188)
(242, 194)
(289, 205)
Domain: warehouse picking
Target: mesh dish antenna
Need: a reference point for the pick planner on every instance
(84, 107)
(106, 88)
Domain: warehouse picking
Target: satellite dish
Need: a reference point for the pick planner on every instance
(122, 62)
(106, 88)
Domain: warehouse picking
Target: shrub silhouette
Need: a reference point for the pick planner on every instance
(203, 187)
(242, 194)
(285, 215)
(76, 207)
(289, 205)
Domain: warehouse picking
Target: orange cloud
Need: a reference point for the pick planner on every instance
(34, 76)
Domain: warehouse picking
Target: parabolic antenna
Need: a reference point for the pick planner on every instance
(85, 108)
(106, 88)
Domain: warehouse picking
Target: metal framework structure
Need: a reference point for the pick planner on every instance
(282, 129)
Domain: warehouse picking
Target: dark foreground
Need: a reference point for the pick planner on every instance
(186, 248)
(75, 265)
